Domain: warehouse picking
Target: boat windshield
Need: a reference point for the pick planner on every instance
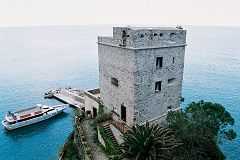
(9, 113)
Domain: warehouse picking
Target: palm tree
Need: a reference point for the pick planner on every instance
(148, 142)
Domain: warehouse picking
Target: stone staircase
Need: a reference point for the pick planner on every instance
(112, 138)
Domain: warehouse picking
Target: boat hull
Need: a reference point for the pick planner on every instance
(33, 120)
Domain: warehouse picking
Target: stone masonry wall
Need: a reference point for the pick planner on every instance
(152, 104)
(100, 139)
(132, 60)
(117, 63)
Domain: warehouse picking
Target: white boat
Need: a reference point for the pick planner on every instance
(31, 115)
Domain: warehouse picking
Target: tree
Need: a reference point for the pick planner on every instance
(201, 126)
(149, 142)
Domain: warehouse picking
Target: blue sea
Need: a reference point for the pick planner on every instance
(34, 60)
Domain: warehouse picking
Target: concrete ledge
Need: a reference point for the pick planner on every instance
(90, 94)
(143, 48)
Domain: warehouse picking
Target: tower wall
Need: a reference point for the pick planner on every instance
(130, 57)
(117, 63)
(151, 104)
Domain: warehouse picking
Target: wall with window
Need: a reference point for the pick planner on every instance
(117, 79)
(152, 37)
(92, 100)
(158, 87)
(132, 62)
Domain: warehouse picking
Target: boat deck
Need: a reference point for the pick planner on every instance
(27, 110)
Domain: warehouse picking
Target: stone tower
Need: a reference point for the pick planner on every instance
(141, 72)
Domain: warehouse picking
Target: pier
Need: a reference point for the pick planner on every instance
(70, 96)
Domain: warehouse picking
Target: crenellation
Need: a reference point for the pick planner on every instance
(141, 38)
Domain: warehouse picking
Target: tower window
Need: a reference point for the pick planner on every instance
(159, 62)
(161, 34)
(169, 107)
(123, 113)
(124, 40)
(171, 80)
(173, 60)
(158, 86)
(172, 36)
(114, 81)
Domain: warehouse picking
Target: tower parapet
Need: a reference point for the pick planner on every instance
(142, 38)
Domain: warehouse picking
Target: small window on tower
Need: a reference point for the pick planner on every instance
(158, 86)
(159, 62)
(114, 81)
(173, 60)
(169, 107)
(171, 80)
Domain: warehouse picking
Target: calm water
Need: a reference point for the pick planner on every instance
(36, 59)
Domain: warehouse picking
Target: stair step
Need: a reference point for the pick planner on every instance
(112, 137)
(109, 132)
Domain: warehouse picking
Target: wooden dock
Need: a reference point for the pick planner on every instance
(70, 96)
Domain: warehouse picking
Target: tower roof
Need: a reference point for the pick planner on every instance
(149, 28)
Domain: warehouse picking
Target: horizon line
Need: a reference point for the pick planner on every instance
(68, 25)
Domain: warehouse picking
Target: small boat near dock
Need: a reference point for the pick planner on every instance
(49, 94)
(31, 115)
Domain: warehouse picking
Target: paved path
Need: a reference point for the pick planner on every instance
(68, 100)
(97, 152)
(70, 96)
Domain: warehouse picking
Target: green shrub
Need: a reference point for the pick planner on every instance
(201, 126)
(110, 147)
(100, 108)
(69, 151)
(103, 117)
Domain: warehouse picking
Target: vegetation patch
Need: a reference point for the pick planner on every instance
(102, 114)
(149, 142)
(69, 150)
(201, 126)
(110, 148)
(190, 134)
